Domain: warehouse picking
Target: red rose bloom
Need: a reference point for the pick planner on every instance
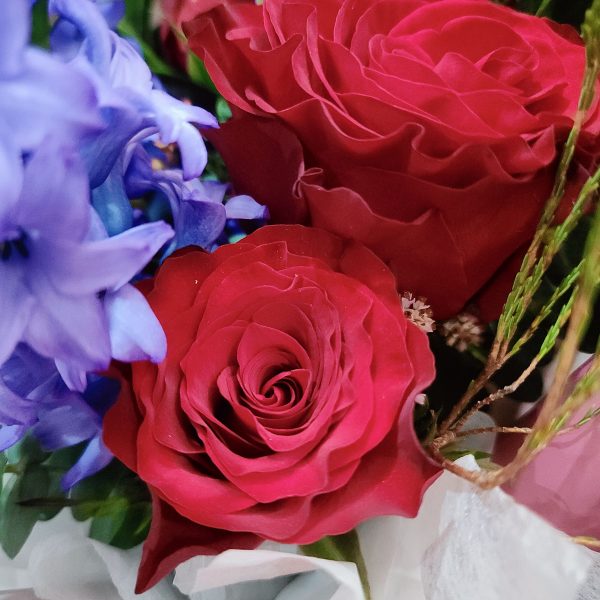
(426, 129)
(283, 409)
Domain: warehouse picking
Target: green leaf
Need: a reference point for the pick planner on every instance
(222, 109)
(40, 25)
(118, 503)
(157, 65)
(544, 8)
(3, 463)
(15, 523)
(345, 547)
(97, 488)
(137, 14)
(198, 73)
(104, 528)
(17, 520)
(24, 452)
(32, 490)
(122, 524)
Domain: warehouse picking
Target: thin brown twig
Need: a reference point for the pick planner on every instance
(552, 416)
(497, 429)
(500, 347)
(584, 540)
(475, 387)
(497, 395)
(497, 362)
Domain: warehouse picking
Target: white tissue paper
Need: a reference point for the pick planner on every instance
(489, 547)
(464, 544)
(313, 577)
(59, 562)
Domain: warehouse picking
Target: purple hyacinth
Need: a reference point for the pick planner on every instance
(74, 128)
(125, 77)
(34, 398)
(65, 285)
(53, 275)
(39, 95)
(198, 207)
(133, 103)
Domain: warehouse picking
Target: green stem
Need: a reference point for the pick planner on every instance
(543, 7)
(345, 547)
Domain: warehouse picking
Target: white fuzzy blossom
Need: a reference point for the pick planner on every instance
(418, 311)
(462, 331)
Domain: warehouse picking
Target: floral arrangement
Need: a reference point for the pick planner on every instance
(299, 299)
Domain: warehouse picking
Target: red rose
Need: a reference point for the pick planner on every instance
(283, 409)
(426, 129)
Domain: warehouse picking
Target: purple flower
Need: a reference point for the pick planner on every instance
(112, 11)
(54, 274)
(65, 288)
(198, 207)
(39, 95)
(134, 106)
(34, 399)
(122, 70)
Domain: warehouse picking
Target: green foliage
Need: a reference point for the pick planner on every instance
(549, 239)
(452, 454)
(137, 15)
(544, 319)
(40, 25)
(345, 547)
(117, 503)
(215, 169)
(115, 500)
(222, 109)
(591, 30)
(198, 74)
(563, 11)
(543, 8)
(29, 475)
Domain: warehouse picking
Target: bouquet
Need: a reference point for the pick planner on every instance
(299, 299)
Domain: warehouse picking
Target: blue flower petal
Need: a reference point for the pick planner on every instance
(116, 260)
(199, 223)
(10, 435)
(135, 332)
(15, 410)
(245, 207)
(89, 20)
(14, 35)
(48, 98)
(94, 458)
(112, 204)
(16, 305)
(67, 424)
(112, 11)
